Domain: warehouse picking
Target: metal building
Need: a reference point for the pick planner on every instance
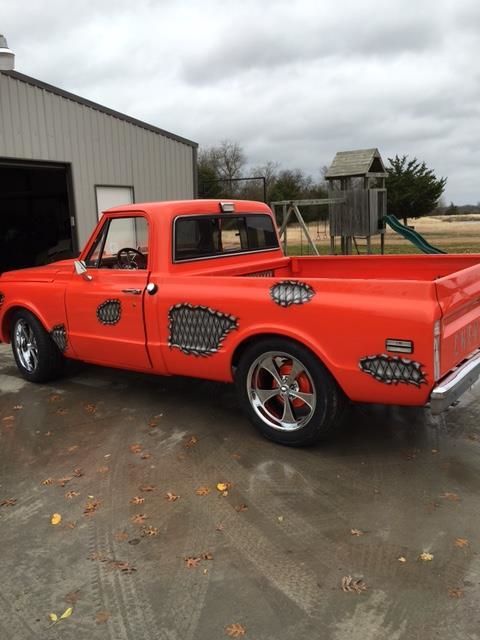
(64, 159)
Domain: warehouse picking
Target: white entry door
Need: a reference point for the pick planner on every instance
(108, 197)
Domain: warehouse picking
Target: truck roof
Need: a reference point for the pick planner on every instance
(189, 207)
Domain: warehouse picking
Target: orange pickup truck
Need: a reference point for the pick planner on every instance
(202, 288)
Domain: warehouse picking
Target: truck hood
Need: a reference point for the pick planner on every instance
(45, 273)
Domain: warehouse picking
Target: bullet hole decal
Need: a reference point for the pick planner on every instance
(59, 336)
(198, 330)
(393, 370)
(109, 312)
(290, 292)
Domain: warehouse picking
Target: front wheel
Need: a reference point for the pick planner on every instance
(37, 356)
(288, 393)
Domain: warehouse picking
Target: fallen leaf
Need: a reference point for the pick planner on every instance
(137, 500)
(120, 536)
(8, 419)
(146, 487)
(56, 518)
(149, 531)
(207, 556)
(219, 527)
(67, 613)
(235, 630)
(449, 495)
(97, 555)
(455, 593)
(402, 559)
(192, 562)
(17, 407)
(190, 441)
(171, 497)
(122, 565)
(90, 507)
(146, 455)
(236, 456)
(353, 586)
(53, 617)
(48, 433)
(90, 408)
(134, 541)
(53, 397)
(78, 473)
(47, 482)
(223, 486)
(73, 597)
(63, 481)
(357, 532)
(461, 542)
(280, 518)
(202, 491)
(71, 494)
(61, 411)
(138, 518)
(8, 502)
(101, 617)
(426, 556)
(241, 507)
(135, 448)
(73, 448)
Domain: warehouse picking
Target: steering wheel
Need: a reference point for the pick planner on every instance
(127, 258)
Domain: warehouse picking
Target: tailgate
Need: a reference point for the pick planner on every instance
(459, 299)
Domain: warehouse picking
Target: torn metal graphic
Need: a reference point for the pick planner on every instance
(109, 312)
(290, 292)
(59, 336)
(198, 330)
(393, 370)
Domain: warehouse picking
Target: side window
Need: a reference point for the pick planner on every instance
(123, 244)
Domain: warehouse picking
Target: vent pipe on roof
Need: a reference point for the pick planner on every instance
(7, 57)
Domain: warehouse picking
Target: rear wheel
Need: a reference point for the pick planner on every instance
(37, 356)
(288, 393)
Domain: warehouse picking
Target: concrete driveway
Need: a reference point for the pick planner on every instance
(104, 448)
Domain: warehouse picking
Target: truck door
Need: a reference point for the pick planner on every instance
(105, 305)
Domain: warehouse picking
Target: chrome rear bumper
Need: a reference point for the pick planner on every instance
(450, 388)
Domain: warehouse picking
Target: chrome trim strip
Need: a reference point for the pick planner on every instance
(455, 384)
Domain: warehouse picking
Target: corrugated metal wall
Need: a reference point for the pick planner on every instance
(36, 124)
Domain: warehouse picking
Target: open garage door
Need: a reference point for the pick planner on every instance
(35, 214)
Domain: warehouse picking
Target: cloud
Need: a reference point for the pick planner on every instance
(291, 82)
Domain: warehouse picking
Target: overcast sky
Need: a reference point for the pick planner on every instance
(291, 81)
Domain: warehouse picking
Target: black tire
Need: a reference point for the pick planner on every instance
(285, 417)
(37, 356)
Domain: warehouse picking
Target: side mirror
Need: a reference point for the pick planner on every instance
(81, 269)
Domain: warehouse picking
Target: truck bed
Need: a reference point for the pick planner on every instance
(420, 268)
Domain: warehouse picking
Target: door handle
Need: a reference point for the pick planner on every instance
(135, 292)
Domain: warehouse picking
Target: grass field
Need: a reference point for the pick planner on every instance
(453, 234)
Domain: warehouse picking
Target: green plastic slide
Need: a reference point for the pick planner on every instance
(413, 236)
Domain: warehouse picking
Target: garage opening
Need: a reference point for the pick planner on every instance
(35, 215)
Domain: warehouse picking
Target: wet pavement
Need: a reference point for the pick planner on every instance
(103, 447)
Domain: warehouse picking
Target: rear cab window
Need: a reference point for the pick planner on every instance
(209, 236)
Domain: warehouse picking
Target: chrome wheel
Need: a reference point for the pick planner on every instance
(281, 391)
(26, 346)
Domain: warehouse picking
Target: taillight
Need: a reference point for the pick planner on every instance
(437, 330)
